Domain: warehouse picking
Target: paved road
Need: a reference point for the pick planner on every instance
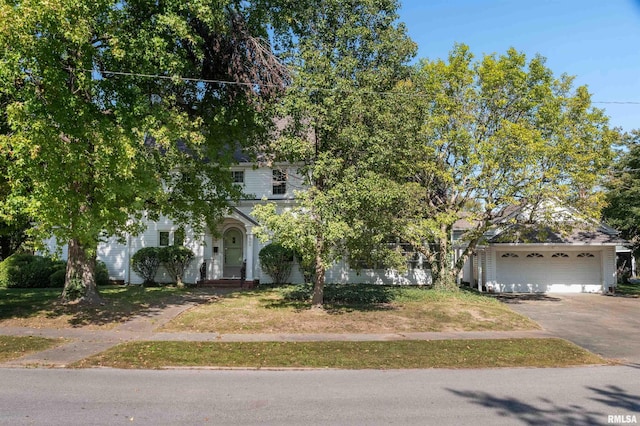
(578, 396)
(606, 325)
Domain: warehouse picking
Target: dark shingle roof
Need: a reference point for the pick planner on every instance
(540, 234)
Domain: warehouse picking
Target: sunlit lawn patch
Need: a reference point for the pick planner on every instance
(347, 355)
(12, 347)
(384, 310)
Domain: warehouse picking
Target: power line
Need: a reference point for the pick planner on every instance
(195, 80)
(237, 83)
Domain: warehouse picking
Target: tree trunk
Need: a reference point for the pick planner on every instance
(80, 279)
(318, 289)
(180, 284)
(444, 278)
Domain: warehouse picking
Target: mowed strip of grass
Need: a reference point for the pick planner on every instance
(346, 355)
(12, 347)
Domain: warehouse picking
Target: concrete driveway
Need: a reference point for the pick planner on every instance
(606, 325)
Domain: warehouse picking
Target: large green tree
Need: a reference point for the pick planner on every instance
(121, 110)
(346, 55)
(479, 138)
(13, 223)
(623, 191)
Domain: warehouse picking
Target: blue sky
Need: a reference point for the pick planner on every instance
(598, 41)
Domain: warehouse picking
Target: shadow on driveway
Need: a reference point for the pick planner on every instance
(521, 298)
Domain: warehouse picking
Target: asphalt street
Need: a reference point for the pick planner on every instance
(577, 396)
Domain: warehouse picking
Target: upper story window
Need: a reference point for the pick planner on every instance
(237, 176)
(279, 182)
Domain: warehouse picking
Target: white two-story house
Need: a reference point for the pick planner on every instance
(506, 262)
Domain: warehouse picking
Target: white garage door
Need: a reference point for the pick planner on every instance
(548, 272)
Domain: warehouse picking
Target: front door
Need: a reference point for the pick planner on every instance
(233, 253)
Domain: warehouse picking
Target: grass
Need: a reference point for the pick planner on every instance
(351, 309)
(347, 355)
(41, 307)
(12, 347)
(629, 289)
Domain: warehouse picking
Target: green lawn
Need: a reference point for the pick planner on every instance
(628, 289)
(347, 355)
(12, 347)
(350, 309)
(41, 307)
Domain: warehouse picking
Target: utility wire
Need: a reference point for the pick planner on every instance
(236, 83)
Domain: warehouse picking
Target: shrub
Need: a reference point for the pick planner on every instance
(102, 273)
(26, 271)
(145, 262)
(176, 260)
(57, 277)
(276, 261)
(56, 280)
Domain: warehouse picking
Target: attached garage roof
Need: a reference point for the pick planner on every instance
(535, 234)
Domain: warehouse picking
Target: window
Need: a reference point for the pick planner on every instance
(585, 255)
(535, 255)
(510, 255)
(279, 182)
(163, 238)
(559, 255)
(237, 176)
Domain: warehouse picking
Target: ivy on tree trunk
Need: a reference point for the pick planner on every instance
(80, 278)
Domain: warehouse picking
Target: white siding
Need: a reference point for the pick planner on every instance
(258, 183)
(116, 256)
(609, 267)
(150, 238)
(340, 273)
(51, 248)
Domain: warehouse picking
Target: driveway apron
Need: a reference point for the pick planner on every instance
(606, 325)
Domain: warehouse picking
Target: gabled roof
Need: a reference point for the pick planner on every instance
(245, 216)
(544, 234)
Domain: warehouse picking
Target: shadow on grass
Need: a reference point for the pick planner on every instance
(338, 298)
(544, 411)
(120, 304)
(515, 298)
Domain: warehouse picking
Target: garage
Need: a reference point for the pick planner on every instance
(544, 271)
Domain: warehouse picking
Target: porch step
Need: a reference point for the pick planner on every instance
(227, 283)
